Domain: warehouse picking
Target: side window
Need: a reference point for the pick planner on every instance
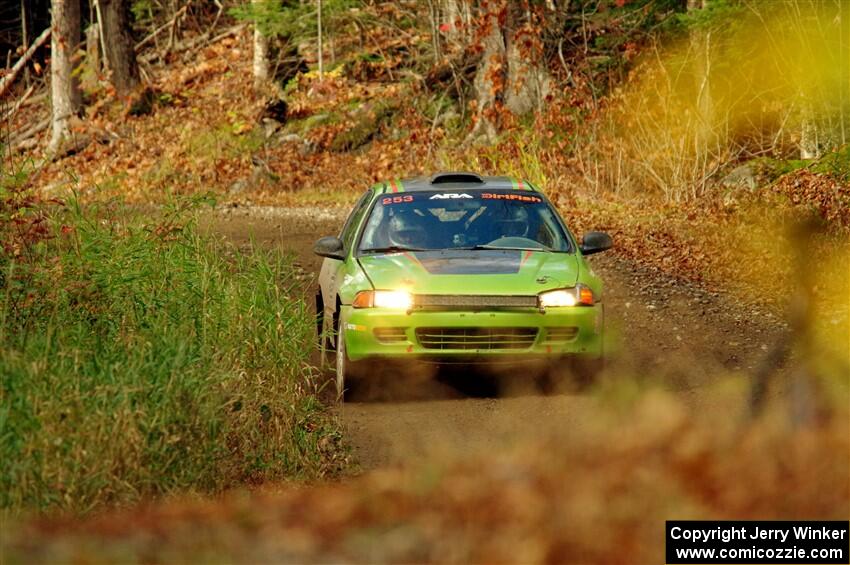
(349, 230)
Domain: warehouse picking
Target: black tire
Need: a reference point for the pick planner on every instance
(342, 371)
(347, 372)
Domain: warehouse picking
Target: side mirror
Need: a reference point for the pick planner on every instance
(330, 247)
(595, 242)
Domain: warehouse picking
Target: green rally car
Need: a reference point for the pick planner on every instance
(457, 268)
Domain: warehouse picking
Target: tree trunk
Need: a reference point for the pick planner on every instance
(701, 47)
(93, 66)
(489, 82)
(64, 89)
(35, 17)
(456, 19)
(809, 146)
(26, 32)
(507, 75)
(120, 53)
(528, 80)
(321, 47)
(451, 17)
(261, 54)
(433, 21)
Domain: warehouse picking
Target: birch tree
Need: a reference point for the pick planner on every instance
(261, 48)
(65, 92)
(808, 132)
(701, 47)
(320, 38)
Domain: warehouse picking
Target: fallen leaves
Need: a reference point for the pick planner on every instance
(826, 195)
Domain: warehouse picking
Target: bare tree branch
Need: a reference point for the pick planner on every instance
(160, 29)
(19, 103)
(9, 79)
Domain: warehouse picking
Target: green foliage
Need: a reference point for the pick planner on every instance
(715, 13)
(142, 10)
(292, 19)
(768, 169)
(368, 122)
(306, 125)
(138, 357)
(835, 163)
(231, 139)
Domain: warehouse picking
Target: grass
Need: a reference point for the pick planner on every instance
(139, 358)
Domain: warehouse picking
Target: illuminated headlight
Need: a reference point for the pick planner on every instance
(393, 299)
(396, 299)
(579, 295)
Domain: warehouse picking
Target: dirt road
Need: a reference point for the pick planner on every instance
(661, 328)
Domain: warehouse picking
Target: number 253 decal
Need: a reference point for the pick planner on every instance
(396, 199)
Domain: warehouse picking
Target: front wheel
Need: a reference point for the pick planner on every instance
(341, 366)
(347, 371)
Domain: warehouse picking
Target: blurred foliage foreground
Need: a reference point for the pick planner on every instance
(138, 358)
(597, 494)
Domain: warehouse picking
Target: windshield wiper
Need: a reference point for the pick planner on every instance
(391, 249)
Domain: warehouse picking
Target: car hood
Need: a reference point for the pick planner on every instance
(486, 271)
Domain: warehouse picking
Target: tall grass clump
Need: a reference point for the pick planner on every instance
(742, 80)
(138, 357)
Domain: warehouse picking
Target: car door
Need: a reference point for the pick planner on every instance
(332, 273)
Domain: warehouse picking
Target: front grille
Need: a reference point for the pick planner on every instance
(473, 301)
(561, 334)
(476, 338)
(390, 335)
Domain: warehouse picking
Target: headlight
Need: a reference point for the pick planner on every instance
(394, 299)
(579, 295)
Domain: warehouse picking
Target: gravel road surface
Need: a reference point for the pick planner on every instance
(661, 329)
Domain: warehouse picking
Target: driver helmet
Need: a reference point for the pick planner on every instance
(406, 230)
(514, 222)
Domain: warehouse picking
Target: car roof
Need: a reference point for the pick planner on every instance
(456, 180)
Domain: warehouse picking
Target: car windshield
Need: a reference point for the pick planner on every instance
(418, 221)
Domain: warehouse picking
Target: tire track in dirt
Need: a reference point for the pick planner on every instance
(661, 328)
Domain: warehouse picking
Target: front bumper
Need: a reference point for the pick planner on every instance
(377, 332)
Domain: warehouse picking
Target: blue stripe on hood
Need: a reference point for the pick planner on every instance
(470, 262)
